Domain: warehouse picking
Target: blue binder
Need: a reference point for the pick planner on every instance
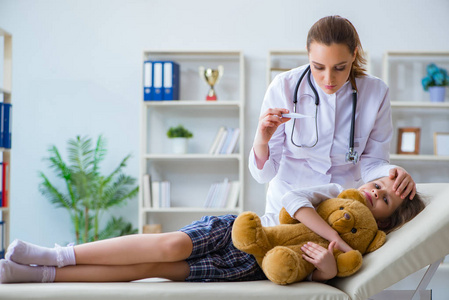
(158, 80)
(2, 125)
(171, 80)
(7, 125)
(147, 80)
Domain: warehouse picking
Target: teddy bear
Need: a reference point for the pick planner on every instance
(277, 249)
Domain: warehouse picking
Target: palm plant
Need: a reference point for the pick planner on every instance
(89, 193)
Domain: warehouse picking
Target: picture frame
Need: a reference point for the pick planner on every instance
(408, 140)
(441, 143)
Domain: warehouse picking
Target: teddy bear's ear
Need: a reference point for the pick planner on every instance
(377, 242)
(285, 218)
(353, 194)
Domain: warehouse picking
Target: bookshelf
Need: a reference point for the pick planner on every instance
(411, 107)
(6, 95)
(191, 175)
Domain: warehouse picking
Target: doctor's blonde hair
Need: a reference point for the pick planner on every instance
(338, 30)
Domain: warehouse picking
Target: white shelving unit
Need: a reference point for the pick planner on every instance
(191, 175)
(411, 107)
(6, 94)
(284, 60)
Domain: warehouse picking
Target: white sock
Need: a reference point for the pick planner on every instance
(28, 254)
(10, 272)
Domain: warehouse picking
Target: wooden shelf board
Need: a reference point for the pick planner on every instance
(193, 52)
(417, 53)
(192, 156)
(418, 157)
(189, 209)
(411, 104)
(195, 103)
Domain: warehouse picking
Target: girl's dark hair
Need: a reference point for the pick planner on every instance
(337, 30)
(404, 213)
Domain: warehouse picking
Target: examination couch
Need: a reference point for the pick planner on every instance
(422, 242)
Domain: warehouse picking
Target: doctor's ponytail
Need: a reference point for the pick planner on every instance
(337, 30)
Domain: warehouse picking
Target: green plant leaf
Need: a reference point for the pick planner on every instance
(89, 193)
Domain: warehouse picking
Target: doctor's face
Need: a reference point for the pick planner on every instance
(330, 65)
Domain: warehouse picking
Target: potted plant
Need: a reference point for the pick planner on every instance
(85, 192)
(179, 136)
(436, 82)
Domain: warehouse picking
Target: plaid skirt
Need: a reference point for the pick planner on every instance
(214, 257)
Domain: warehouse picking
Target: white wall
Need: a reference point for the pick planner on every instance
(77, 71)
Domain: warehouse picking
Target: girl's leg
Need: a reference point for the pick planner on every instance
(176, 271)
(124, 250)
(135, 249)
(10, 272)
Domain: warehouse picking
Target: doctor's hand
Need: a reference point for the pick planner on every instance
(404, 184)
(268, 123)
(323, 259)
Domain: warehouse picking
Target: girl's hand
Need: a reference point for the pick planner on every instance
(323, 259)
(342, 245)
(404, 184)
(268, 123)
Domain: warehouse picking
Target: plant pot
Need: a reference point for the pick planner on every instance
(179, 145)
(437, 93)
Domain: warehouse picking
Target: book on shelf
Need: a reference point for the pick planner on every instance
(223, 194)
(171, 81)
(158, 68)
(2, 238)
(160, 194)
(161, 80)
(5, 184)
(225, 141)
(217, 139)
(234, 140)
(146, 189)
(5, 124)
(147, 80)
(233, 197)
(1, 184)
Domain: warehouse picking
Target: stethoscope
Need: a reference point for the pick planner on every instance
(351, 155)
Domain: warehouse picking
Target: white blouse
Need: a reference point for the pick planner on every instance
(304, 197)
(290, 168)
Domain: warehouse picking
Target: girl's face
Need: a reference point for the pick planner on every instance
(381, 199)
(330, 65)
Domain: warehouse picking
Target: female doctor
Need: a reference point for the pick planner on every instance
(292, 153)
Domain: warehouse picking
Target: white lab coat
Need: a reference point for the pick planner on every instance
(289, 167)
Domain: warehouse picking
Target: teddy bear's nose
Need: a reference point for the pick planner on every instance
(347, 216)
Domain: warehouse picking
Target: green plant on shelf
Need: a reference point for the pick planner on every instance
(179, 132)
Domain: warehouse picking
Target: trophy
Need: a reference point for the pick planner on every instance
(211, 77)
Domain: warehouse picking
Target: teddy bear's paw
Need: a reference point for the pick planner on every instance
(285, 218)
(283, 266)
(248, 234)
(348, 263)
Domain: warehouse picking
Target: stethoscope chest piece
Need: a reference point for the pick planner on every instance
(352, 156)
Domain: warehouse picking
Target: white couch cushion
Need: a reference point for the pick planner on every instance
(144, 290)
